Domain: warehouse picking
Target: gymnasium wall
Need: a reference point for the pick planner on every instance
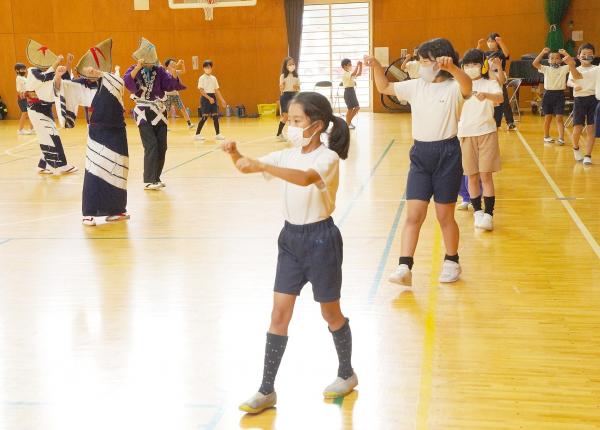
(522, 23)
(247, 44)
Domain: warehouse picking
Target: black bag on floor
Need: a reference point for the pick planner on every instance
(3, 110)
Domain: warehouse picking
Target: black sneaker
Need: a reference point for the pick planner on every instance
(512, 127)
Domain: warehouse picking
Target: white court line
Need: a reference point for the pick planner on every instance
(9, 150)
(578, 222)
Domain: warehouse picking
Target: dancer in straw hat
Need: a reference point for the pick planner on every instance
(41, 95)
(148, 82)
(107, 157)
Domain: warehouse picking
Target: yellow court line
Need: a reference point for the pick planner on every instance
(429, 337)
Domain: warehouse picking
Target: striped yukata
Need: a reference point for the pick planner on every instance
(107, 156)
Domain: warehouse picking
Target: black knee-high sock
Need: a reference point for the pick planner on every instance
(409, 261)
(201, 124)
(274, 350)
(342, 339)
(489, 204)
(280, 128)
(217, 126)
(476, 202)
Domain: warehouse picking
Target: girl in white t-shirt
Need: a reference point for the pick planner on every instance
(479, 136)
(310, 245)
(289, 85)
(435, 169)
(21, 83)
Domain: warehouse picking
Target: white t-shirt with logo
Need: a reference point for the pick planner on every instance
(209, 83)
(306, 205)
(587, 84)
(477, 117)
(435, 107)
(290, 83)
(555, 78)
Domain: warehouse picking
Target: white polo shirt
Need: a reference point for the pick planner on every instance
(306, 205)
(208, 83)
(477, 117)
(587, 84)
(555, 78)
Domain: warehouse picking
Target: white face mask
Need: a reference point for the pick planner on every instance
(473, 72)
(296, 136)
(429, 73)
(291, 68)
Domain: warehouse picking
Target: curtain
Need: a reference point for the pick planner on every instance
(294, 10)
(555, 12)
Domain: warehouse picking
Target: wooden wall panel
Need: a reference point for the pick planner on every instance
(247, 44)
(400, 24)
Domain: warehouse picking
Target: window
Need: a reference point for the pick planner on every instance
(332, 32)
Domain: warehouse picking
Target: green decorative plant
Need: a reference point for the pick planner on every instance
(555, 12)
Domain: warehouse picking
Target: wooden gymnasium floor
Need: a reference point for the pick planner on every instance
(159, 323)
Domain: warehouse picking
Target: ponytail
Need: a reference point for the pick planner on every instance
(318, 108)
(339, 137)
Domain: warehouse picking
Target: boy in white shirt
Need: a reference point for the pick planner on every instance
(586, 103)
(21, 71)
(555, 83)
(209, 88)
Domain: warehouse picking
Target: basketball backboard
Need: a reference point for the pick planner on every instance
(209, 5)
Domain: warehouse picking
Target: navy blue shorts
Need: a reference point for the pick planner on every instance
(584, 110)
(350, 98)
(435, 170)
(285, 99)
(310, 253)
(207, 109)
(22, 104)
(553, 102)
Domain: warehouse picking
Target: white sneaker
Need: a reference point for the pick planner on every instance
(88, 220)
(402, 275)
(577, 154)
(464, 206)
(548, 140)
(191, 125)
(450, 271)
(340, 387)
(22, 132)
(351, 126)
(486, 222)
(587, 160)
(281, 138)
(199, 137)
(118, 217)
(477, 217)
(258, 403)
(560, 142)
(220, 137)
(152, 186)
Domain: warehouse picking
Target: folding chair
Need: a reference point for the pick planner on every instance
(513, 100)
(337, 100)
(324, 85)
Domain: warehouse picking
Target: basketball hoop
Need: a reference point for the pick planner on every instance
(209, 8)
